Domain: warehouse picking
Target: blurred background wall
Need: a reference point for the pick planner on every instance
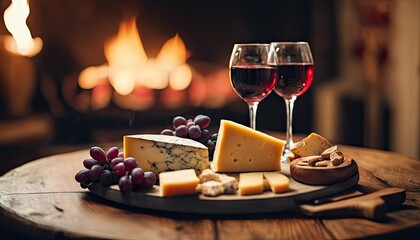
(365, 91)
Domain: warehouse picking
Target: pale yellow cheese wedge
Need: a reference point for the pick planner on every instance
(251, 183)
(177, 183)
(278, 182)
(314, 144)
(242, 149)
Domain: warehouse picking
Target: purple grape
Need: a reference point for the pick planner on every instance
(95, 172)
(125, 183)
(130, 163)
(106, 178)
(210, 145)
(86, 184)
(194, 132)
(205, 136)
(137, 176)
(121, 155)
(119, 169)
(214, 137)
(89, 162)
(149, 180)
(112, 153)
(82, 176)
(190, 124)
(115, 178)
(98, 154)
(115, 161)
(202, 121)
(168, 132)
(181, 131)
(179, 121)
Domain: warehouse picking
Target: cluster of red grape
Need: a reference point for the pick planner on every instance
(195, 129)
(111, 168)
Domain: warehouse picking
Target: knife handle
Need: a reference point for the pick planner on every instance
(371, 206)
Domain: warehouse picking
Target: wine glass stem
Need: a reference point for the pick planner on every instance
(253, 114)
(289, 133)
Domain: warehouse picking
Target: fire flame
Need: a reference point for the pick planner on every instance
(129, 67)
(15, 20)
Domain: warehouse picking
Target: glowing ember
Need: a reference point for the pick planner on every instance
(129, 67)
(15, 20)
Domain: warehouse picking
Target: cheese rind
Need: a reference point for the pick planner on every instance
(162, 153)
(278, 182)
(313, 144)
(242, 149)
(178, 183)
(251, 183)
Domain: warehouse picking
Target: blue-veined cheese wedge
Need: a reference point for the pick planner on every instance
(242, 149)
(161, 153)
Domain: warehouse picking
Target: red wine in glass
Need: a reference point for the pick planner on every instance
(253, 83)
(294, 79)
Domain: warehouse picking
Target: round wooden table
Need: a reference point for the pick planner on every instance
(42, 200)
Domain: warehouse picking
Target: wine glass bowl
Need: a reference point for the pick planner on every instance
(253, 74)
(294, 77)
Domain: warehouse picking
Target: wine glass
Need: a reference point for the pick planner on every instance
(294, 76)
(253, 74)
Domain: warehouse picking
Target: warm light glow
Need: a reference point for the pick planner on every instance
(15, 20)
(129, 67)
(173, 53)
(180, 77)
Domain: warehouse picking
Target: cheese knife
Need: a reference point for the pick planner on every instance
(371, 206)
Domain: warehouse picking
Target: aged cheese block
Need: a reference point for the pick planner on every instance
(161, 153)
(178, 183)
(251, 183)
(314, 144)
(278, 182)
(242, 149)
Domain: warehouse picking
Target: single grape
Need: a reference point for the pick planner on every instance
(194, 132)
(125, 183)
(210, 145)
(190, 124)
(205, 136)
(106, 178)
(82, 175)
(85, 184)
(115, 161)
(121, 154)
(181, 131)
(168, 132)
(115, 178)
(214, 137)
(119, 169)
(137, 176)
(149, 180)
(202, 121)
(95, 172)
(89, 162)
(98, 154)
(130, 163)
(112, 153)
(178, 121)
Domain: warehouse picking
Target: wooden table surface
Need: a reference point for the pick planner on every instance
(42, 200)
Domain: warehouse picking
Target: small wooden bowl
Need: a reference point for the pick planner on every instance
(323, 175)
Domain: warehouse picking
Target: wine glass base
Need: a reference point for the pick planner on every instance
(287, 154)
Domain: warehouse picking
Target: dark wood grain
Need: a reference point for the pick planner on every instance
(43, 199)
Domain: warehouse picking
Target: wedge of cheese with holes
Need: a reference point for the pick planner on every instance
(242, 149)
(251, 183)
(178, 183)
(278, 182)
(314, 144)
(162, 153)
